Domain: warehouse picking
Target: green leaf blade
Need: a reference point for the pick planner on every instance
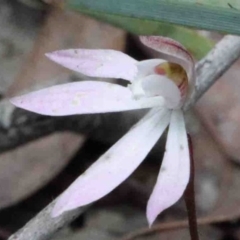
(217, 15)
(198, 45)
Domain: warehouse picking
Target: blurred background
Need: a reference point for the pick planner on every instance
(33, 173)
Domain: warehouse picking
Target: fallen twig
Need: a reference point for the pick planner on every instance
(43, 226)
(162, 227)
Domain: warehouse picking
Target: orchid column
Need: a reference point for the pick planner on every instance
(160, 84)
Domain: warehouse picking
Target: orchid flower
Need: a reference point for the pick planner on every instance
(159, 84)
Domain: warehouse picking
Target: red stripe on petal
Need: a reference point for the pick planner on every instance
(165, 45)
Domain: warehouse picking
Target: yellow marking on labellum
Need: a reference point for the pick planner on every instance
(174, 72)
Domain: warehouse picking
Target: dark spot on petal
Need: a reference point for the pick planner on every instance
(163, 169)
(107, 156)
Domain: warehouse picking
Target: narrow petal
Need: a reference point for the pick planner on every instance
(175, 169)
(82, 98)
(97, 63)
(173, 51)
(156, 85)
(116, 164)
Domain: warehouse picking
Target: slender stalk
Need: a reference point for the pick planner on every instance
(189, 197)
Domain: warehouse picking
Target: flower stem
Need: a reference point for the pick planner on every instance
(189, 197)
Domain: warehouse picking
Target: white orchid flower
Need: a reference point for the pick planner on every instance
(160, 84)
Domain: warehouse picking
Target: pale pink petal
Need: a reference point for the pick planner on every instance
(156, 85)
(147, 67)
(172, 51)
(82, 98)
(175, 169)
(97, 63)
(116, 164)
